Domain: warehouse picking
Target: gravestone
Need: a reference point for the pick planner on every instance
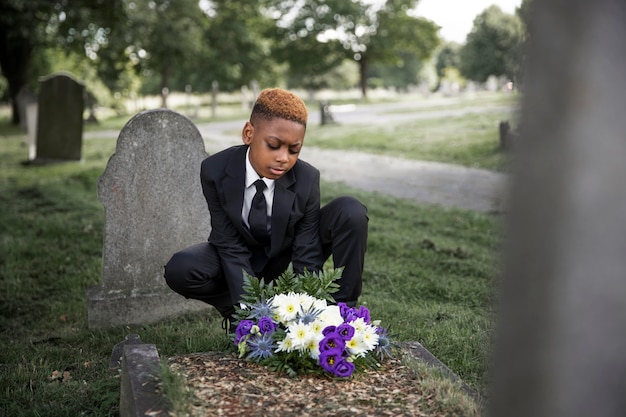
(61, 102)
(508, 135)
(561, 335)
(25, 97)
(326, 116)
(154, 207)
(31, 130)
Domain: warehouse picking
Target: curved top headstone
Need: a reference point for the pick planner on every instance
(61, 103)
(152, 198)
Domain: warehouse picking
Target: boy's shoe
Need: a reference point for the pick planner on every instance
(227, 313)
(227, 324)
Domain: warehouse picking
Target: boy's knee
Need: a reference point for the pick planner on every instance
(352, 210)
(175, 272)
(344, 213)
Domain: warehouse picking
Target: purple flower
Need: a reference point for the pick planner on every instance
(347, 313)
(332, 361)
(344, 309)
(343, 368)
(266, 325)
(364, 313)
(328, 359)
(345, 331)
(332, 341)
(243, 329)
(328, 329)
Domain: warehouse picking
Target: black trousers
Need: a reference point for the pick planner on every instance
(195, 272)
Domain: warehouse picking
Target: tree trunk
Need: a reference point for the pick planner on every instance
(363, 66)
(15, 56)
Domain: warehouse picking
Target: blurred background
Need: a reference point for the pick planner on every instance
(138, 54)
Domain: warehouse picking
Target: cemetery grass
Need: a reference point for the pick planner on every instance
(429, 275)
(470, 139)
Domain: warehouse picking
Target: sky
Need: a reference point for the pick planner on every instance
(456, 17)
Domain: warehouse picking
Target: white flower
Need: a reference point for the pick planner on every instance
(331, 316)
(317, 327)
(305, 301)
(300, 334)
(370, 337)
(359, 324)
(319, 304)
(365, 338)
(356, 346)
(285, 307)
(285, 345)
(313, 344)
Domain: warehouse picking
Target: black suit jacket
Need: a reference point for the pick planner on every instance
(294, 223)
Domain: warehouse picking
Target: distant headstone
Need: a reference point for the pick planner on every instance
(25, 97)
(256, 89)
(326, 116)
(245, 99)
(508, 135)
(154, 207)
(31, 129)
(61, 103)
(492, 83)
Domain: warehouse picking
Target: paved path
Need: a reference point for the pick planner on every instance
(424, 182)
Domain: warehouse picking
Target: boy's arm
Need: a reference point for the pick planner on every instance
(231, 246)
(307, 246)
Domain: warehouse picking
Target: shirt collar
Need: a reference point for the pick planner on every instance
(252, 176)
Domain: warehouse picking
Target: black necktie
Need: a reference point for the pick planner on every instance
(257, 219)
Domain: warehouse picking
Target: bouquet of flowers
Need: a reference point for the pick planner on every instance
(293, 325)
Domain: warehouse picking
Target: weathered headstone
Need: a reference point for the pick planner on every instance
(492, 83)
(326, 116)
(61, 104)
(31, 129)
(245, 99)
(154, 207)
(25, 97)
(508, 135)
(562, 332)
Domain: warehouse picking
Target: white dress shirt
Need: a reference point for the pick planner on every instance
(250, 190)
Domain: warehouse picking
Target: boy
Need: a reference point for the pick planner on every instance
(265, 213)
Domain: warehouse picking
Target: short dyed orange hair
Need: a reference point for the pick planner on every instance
(276, 102)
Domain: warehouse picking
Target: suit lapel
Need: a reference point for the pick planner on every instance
(233, 187)
(281, 208)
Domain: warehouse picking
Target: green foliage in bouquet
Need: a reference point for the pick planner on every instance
(294, 325)
(320, 286)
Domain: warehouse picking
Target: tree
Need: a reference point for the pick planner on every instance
(166, 35)
(523, 12)
(28, 27)
(239, 48)
(492, 46)
(328, 31)
(448, 56)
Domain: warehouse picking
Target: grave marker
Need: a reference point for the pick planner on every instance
(59, 134)
(154, 207)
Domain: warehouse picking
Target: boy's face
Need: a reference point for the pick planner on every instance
(274, 145)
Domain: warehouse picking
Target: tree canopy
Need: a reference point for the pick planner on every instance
(364, 31)
(492, 46)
